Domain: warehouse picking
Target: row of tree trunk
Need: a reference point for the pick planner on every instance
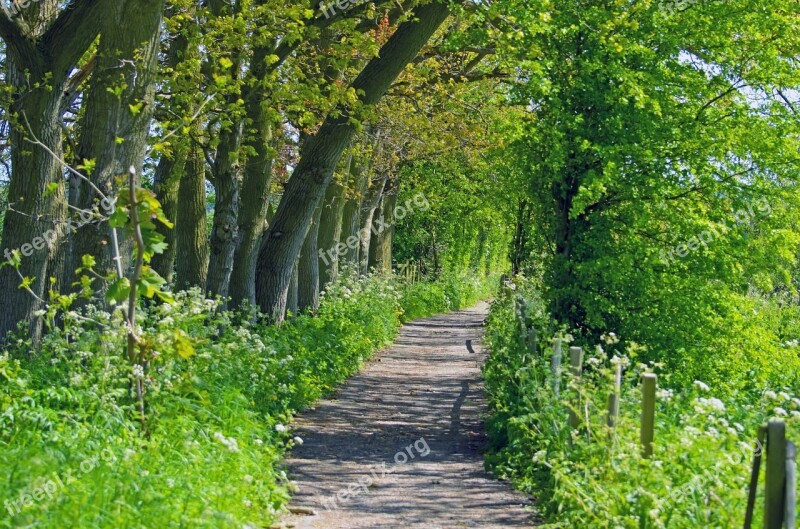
(277, 259)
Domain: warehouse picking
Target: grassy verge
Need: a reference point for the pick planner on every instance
(596, 477)
(221, 391)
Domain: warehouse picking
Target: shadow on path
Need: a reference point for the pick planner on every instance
(400, 445)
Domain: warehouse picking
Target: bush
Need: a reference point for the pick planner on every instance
(452, 292)
(220, 391)
(596, 477)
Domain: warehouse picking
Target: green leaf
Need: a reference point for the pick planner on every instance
(183, 346)
(119, 290)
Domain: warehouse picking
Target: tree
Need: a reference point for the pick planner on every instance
(320, 154)
(44, 45)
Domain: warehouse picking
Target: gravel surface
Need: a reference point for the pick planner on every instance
(400, 445)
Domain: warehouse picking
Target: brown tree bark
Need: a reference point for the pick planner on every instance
(225, 230)
(255, 196)
(330, 231)
(371, 202)
(167, 183)
(292, 294)
(351, 217)
(380, 249)
(308, 268)
(41, 53)
(124, 77)
(191, 230)
(321, 154)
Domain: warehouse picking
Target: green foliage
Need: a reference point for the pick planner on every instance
(449, 293)
(220, 389)
(595, 477)
(465, 228)
(657, 161)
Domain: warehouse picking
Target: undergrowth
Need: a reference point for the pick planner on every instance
(595, 476)
(221, 392)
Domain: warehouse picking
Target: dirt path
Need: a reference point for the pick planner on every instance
(400, 445)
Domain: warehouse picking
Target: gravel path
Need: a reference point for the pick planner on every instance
(400, 445)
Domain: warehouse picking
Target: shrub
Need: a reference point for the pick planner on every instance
(221, 390)
(596, 477)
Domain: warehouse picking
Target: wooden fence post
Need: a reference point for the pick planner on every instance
(774, 490)
(791, 485)
(754, 474)
(555, 366)
(613, 397)
(576, 367)
(648, 413)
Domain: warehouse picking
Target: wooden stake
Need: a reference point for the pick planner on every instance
(648, 413)
(791, 485)
(555, 366)
(774, 490)
(576, 367)
(613, 397)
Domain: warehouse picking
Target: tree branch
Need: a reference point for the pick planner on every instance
(72, 33)
(21, 48)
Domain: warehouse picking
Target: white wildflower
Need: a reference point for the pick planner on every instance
(298, 440)
(771, 395)
(701, 385)
(780, 412)
(280, 428)
(665, 394)
(229, 442)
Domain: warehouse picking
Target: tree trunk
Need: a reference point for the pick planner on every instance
(127, 61)
(40, 55)
(191, 230)
(351, 218)
(292, 294)
(224, 233)
(167, 182)
(380, 249)
(308, 268)
(371, 202)
(172, 166)
(330, 231)
(35, 213)
(254, 199)
(321, 153)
